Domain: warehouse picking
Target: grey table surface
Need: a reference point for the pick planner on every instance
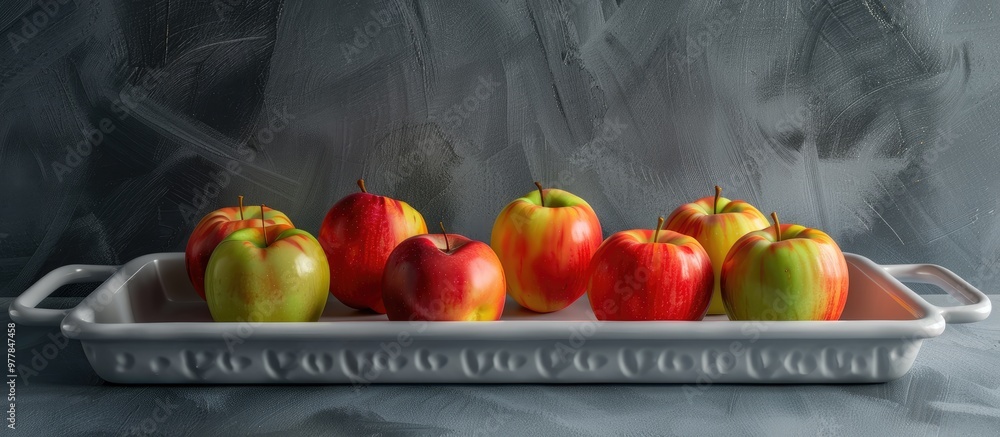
(952, 389)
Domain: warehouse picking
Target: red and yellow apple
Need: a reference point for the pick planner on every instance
(358, 234)
(545, 241)
(443, 277)
(215, 227)
(716, 222)
(644, 274)
(785, 272)
(269, 274)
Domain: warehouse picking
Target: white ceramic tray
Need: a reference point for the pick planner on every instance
(145, 324)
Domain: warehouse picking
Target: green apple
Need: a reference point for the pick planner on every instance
(253, 278)
(787, 272)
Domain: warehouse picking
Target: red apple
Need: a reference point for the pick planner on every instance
(545, 241)
(215, 227)
(358, 234)
(443, 277)
(785, 272)
(716, 222)
(650, 275)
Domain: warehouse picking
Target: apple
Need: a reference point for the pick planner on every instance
(267, 274)
(215, 227)
(358, 234)
(785, 272)
(443, 277)
(643, 274)
(545, 241)
(716, 222)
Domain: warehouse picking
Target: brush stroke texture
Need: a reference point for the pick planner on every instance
(873, 120)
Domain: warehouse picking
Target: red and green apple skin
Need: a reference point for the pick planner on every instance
(545, 250)
(358, 234)
(717, 229)
(428, 279)
(801, 277)
(634, 277)
(215, 227)
(287, 280)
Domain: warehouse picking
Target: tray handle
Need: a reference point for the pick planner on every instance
(23, 310)
(976, 306)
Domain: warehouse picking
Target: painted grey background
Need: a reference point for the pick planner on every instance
(873, 121)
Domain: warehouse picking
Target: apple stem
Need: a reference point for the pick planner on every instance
(361, 184)
(541, 194)
(241, 208)
(659, 226)
(447, 247)
(262, 228)
(777, 226)
(718, 194)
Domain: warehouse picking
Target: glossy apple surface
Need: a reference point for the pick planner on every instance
(358, 234)
(215, 227)
(634, 277)
(428, 279)
(545, 250)
(287, 280)
(716, 224)
(802, 276)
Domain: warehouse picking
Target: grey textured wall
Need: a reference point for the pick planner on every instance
(121, 122)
